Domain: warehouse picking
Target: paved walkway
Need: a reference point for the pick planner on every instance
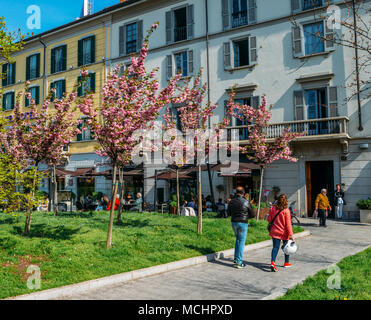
(219, 280)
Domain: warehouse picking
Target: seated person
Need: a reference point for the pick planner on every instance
(209, 205)
(222, 213)
(117, 202)
(44, 205)
(138, 203)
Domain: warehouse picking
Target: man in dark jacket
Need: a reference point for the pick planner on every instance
(240, 210)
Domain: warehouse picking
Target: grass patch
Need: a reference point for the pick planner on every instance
(355, 282)
(70, 247)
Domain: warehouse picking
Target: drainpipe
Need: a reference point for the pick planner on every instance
(360, 127)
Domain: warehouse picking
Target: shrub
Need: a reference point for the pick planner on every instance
(364, 204)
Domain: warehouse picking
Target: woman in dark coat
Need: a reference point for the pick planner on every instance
(339, 201)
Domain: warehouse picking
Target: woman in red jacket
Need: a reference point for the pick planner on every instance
(281, 229)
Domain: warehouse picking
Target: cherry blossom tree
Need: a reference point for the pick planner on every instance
(261, 149)
(130, 103)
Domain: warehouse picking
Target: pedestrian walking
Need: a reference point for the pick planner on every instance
(241, 211)
(280, 230)
(322, 205)
(339, 201)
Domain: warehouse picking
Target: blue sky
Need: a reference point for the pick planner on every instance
(53, 12)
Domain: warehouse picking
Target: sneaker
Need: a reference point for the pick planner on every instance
(273, 267)
(240, 265)
(287, 265)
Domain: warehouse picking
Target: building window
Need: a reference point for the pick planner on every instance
(131, 38)
(87, 86)
(313, 35)
(241, 53)
(33, 66)
(59, 59)
(243, 132)
(60, 87)
(8, 101)
(86, 133)
(8, 74)
(86, 54)
(239, 13)
(183, 64)
(35, 95)
(179, 24)
(311, 4)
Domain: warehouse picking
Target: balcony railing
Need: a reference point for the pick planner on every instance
(239, 19)
(315, 127)
(180, 33)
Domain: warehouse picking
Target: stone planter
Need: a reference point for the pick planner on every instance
(365, 216)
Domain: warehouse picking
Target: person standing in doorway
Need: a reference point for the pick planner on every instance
(241, 211)
(281, 229)
(339, 201)
(322, 205)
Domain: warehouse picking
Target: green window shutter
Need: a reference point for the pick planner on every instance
(13, 73)
(4, 100)
(80, 53)
(79, 135)
(26, 102)
(92, 43)
(28, 68)
(92, 82)
(12, 105)
(52, 86)
(37, 95)
(79, 89)
(139, 35)
(52, 61)
(38, 65)
(63, 86)
(64, 57)
(5, 67)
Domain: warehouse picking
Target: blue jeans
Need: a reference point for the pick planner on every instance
(276, 248)
(240, 230)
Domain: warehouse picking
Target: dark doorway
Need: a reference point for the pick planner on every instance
(318, 175)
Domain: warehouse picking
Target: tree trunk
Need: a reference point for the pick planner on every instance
(27, 226)
(112, 211)
(261, 190)
(177, 192)
(122, 193)
(55, 209)
(199, 226)
(211, 187)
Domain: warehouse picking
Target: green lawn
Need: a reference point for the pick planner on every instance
(355, 282)
(70, 248)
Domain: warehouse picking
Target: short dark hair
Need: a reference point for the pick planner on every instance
(240, 190)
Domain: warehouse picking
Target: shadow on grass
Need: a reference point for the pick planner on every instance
(8, 221)
(137, 223)
(44, 231)
(203, 251)
(74, 214)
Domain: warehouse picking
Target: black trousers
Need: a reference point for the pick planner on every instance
(322, 217)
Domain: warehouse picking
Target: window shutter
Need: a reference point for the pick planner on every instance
(12, 104)
(13, 73)
(333, 101)
(169, 27)
(52, 86)
(80, 53)
(169, 66)
(26, 102)
(329, 35)
(4, 75)
(140, 34)
(79, 135)
(37, 95)
(295, 6)
(226, 115)
(4, 102)
(225, 14)
(38, 65)
(79, 89)
(299, 105)
(296, 42)
(255, 102)
(253, 51)
(227, 55)
(64, 57)
(190, 62)
(28, 65)
(52, 61)
(122, 50)
(63, 87)
(92, 43)
(190, 21)
(92, 82)
(252, 11)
